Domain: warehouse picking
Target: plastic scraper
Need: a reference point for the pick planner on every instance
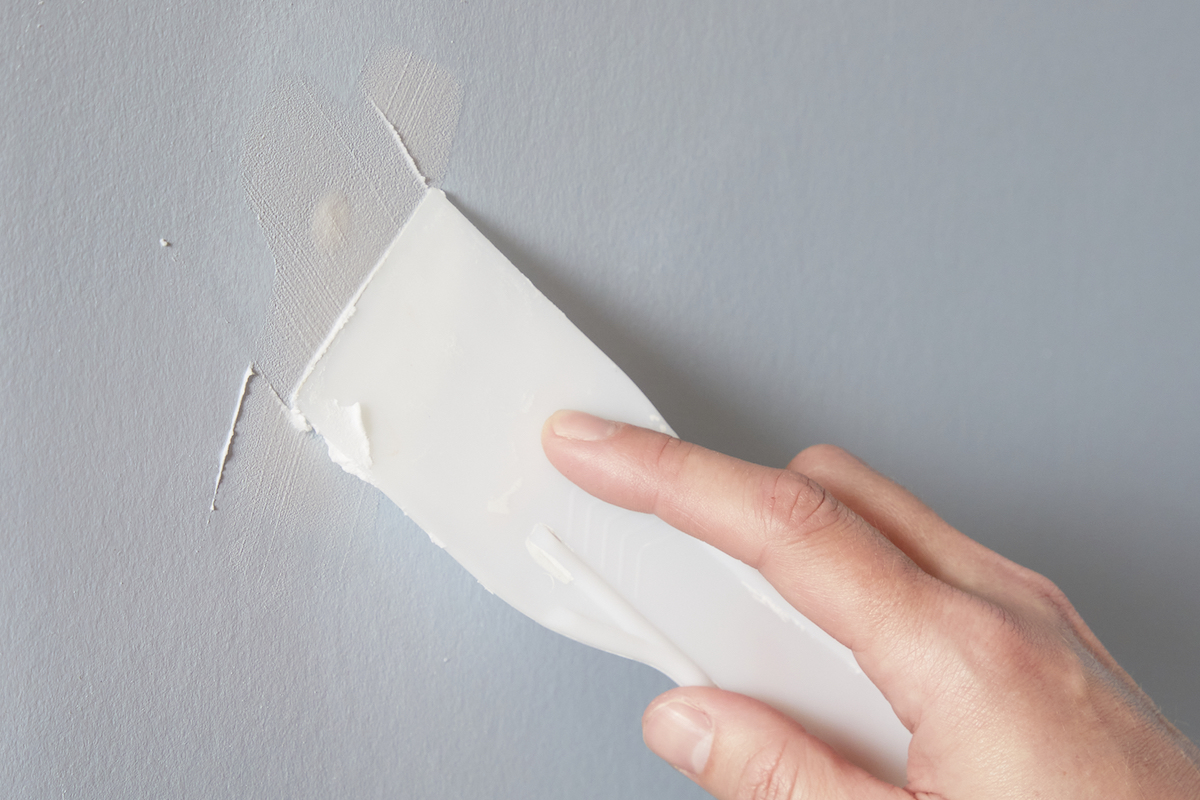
(434, 388)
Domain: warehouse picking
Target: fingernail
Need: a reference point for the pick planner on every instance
(680, 734)
(581, 427)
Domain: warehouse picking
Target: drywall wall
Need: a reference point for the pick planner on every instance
(958, 239)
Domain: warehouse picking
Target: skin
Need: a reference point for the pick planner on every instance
(1006, 691)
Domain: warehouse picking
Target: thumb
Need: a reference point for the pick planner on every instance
(736, 747)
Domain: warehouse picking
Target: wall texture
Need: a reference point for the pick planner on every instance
(959, 239)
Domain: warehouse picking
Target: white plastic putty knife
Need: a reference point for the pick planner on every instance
(435, 389)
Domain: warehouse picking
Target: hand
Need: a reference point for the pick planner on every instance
(1006, 691)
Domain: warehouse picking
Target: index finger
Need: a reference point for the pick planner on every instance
(825, 560)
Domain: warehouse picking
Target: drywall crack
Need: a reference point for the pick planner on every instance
(237, 413)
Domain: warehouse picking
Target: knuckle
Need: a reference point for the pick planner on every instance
(1007, 648)
(989, 648)
(1038, 601)
(1001, 638)
(670, 456)
(771, 774)
(1050, 599)
(794, 508)
(819, 459)
(668, 459)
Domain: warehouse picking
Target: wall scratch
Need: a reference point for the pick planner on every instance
(237, 412)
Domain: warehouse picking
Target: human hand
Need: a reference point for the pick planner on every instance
(1007, 692)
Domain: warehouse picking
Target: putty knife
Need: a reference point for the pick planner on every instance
(434, 387)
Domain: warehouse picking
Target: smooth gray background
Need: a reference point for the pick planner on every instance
(958, 238)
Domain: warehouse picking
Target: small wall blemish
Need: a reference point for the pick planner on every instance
(331, 220)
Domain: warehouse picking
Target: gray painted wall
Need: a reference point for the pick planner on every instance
(959, 239)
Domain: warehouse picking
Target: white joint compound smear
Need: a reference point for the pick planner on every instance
(287, 512)
(548, 562)
(237, 413)
(332, 184)
(420, 100)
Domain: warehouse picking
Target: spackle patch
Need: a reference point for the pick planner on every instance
(332, 185)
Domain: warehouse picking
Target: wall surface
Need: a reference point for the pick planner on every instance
(959, 239)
